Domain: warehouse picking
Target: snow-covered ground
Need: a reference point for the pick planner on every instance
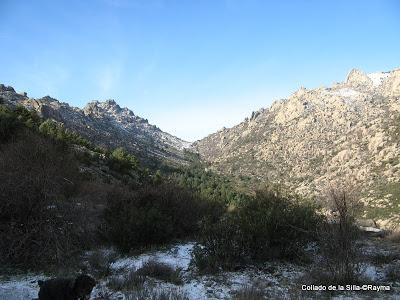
(278, 280)
(220, 286)
(20, 287)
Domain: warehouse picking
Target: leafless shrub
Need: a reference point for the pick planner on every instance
(249, 292)
(129, 282)
(100, 262)
(40, 224)
(161, 271)
(158, 294)
(341, 256)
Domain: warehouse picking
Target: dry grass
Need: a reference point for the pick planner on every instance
(100, 263)
(392, 272)
(157, 294)
(131, 282)
(161, 271)
(250, 292)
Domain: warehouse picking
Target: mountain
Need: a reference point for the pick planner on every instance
(347, 132)
(107, 125)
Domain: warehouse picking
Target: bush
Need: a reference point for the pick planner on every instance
(123, 162)
(57, 131)
(8, 124)
(209, 185)
(250, 292)
(129, 282)
(269, 226)
(39, 226)
(161, 271)
(154, 214)
(154, 293)
(338, 239)
(100, 263)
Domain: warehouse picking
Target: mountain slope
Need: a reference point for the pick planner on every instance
(349, 131)
(106, 124)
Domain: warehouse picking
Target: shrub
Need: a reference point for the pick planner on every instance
(250, 292)
(269, 226)
(57, 131)
(154, 214)
(222, 245)
(39, 226)
(150, 293)
(128, 282)
(123, 162)
(8, 124)
(208, 184)
(161, 271)
(100, 262)
(338, 239)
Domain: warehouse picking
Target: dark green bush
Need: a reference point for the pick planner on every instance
(209, 184)
(13, 119)
(154, 214)
(121, 161)
(57, 131)
(8, 124)
(269, 226)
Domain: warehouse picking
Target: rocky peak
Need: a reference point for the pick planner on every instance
(317, 136)
(98, 108)
(106, 124)
(48, 99)
(4, 88)
(357, 78)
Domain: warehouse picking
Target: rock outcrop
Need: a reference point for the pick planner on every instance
(350, 131)
(106, 124)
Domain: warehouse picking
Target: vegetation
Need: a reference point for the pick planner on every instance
(52, 210)
(160, 271)
(57, 131)
(338, 240)
(209, 185)
(100, 263)
(39, 220)
(250, 292)
(268, 226)
(49, 212)
(154, 214)
(129, 282)
(122, 161)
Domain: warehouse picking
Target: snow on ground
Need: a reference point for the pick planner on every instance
(377, 78)
(277, 279)
(178, 256)
(194, 287)
(205, 287)
(20, 287)
(346, 92)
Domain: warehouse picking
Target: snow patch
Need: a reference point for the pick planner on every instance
(20, 287)
(178, 256)
(346, 92)
(377, 78)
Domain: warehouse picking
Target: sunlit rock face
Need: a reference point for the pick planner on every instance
(317, 136)
(106, 124)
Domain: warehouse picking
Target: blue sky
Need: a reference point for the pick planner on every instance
(191, 66)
